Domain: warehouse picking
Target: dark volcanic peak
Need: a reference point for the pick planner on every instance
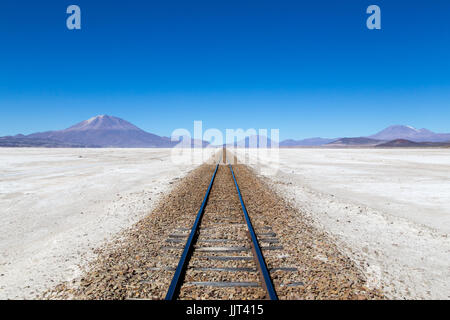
(305, 142)
(360, 141)
(24, 142)
(401, 143)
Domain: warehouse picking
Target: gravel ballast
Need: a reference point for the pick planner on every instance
(304, 262)
(323, 271)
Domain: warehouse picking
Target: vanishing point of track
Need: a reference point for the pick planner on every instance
(224, 226)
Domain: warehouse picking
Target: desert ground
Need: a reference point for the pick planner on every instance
(58, 205)
(388, 209)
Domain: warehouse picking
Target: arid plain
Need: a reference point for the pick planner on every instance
(57, 205)
(388, 210)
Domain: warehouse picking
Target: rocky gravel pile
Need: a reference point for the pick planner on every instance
(324, 272)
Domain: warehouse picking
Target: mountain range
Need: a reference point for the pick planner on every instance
(102, 131)
(410, 133)
(393, 133)
(254, 141)
(306, 142)
(105, 131)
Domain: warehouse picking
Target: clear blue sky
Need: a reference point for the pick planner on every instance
(309, 68)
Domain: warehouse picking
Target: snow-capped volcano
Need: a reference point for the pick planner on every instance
(103, 122)
(410, 133)
(106, 131)
(396, 132)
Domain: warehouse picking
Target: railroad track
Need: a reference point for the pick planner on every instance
(221, 254)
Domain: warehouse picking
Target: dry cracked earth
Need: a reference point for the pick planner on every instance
(304, 262)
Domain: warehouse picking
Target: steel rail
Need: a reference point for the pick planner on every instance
(178, 277)
(262, 266)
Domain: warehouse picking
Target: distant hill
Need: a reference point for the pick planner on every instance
(395, 132)
(101, 131)
(24, 142)
(410, 133)
(254, 141)
(360, 141)
(305, 142)
(403, 143)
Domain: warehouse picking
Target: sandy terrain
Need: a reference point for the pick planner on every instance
(388, 209)
(56, 205)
